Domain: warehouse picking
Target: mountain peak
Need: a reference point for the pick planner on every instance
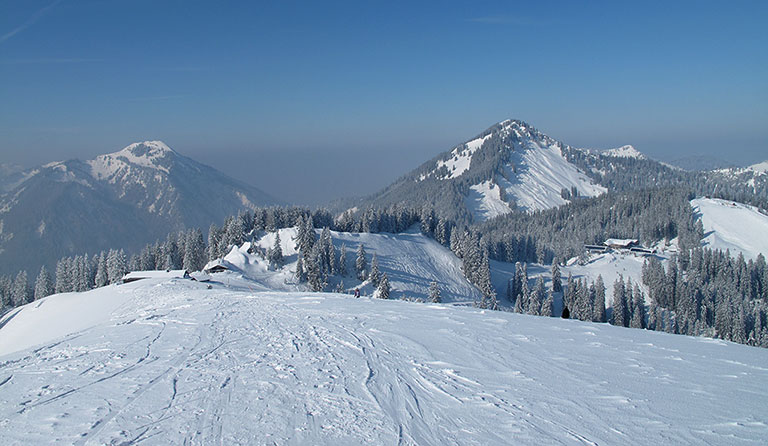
(626, 151)
(148, 149)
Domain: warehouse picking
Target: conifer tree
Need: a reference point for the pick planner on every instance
(300, 274)
(360, 263)
(275, 254)
(549, 304)
(382, 291)
(619, 316)
(538, 295)
(214, 239)
(557, 284)
(20, 291)
(343, 261)
(375, 274)
(101, 270)
(194, 251)
(434, 292)
(43, 284)
(638, 309)
(598, 311)
(63, 284)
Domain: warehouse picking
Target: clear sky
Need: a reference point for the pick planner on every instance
(286, 94)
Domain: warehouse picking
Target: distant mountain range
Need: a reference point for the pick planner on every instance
(512, 166)
(119, 200)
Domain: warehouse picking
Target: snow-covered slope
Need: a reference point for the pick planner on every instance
(187, 365)
(734, 226)
(410, 260)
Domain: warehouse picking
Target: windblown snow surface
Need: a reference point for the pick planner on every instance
(172, 362)
(734, 226)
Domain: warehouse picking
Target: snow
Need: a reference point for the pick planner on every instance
(410, 260)
(177, 363)
(540, 174)
(620, 241)
(734, 226)
(156, 274)
(759, 167)
(461, 157)
(144, 154)
(626, 151)
(484, 201)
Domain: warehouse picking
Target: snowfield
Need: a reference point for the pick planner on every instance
(734, 226)
(177, 363)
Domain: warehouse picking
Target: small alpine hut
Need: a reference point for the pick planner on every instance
(216, 266)
(621, 244)
(160, 274)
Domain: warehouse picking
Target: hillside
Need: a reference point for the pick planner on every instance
(118, 200)
(174, 362)
(734, 226)
(410, 260)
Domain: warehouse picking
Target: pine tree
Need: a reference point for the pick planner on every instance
(557, 284)
(20, 291)
(43, 284)
(101, 271)
(537, 297)
(375, 274)
(382, 291)
(63, 282)
(619, 316)
(548, 308)
(638, 309)
(485, 285)
(360, 263)
(194, 251)
(343, 261)
(300, 275)
(598, 310)
(434, 292)
(275, 254)
(116, 265)
(214, 240)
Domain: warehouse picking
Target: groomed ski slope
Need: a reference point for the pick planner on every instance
(734, 226)
(182, 364)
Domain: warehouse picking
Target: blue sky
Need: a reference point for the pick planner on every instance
(368, 90)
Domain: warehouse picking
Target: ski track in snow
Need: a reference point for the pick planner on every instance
(187, 365)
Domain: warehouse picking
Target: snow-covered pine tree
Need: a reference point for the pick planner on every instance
(548, 308)
(360, 263)
(557, 283)
(382, 291)
(5, 292)
(214, 239)
(194, 251)
(275, 253)
(101, 271)
(343, 261)
(619, 316)
(20, 291)
(434, 292)
(43, 284)
(638, 309)
(375, 274)
(598, 310)
(300, 274)
(537, 297)
(116, 265)
(314, 269)
(484, 283)
(63, 282)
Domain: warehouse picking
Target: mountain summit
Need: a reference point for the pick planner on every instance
(510, 165)
(123, 199)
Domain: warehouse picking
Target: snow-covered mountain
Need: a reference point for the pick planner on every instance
(626, 151)
(173, 362)
(508, 166)
(123, 199)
